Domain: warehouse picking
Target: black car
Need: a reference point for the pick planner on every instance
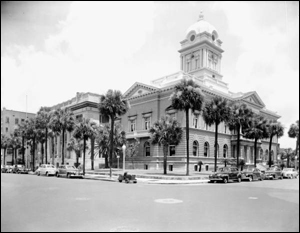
(20, 169)
(251, 173)
(225, 174)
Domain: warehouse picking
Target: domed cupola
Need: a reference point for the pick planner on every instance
(201, 26)
(201, 53)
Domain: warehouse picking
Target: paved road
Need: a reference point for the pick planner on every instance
(31, 203)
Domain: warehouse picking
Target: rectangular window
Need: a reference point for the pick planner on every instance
(7, 119)
(22, 120)
(170, 167)
(146, 166)
(6, 130)
(172, 150)
(146, 123)
(195, 121)
(132, 126)
(17, 121)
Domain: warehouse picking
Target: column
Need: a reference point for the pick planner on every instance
(181, 65)
(205, 57)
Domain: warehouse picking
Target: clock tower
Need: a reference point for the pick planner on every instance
(201, 54)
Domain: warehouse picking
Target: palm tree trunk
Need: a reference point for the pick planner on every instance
(270, 146)
(42, 153)
(255, 151)
(63, 148)
(297, 145)
(92, 152)
(106, 160)
(238, 147)
(13, 157)
(111, 144)
(33, 155)
(4, 153)
(216, 146)
(165, 152)
(46, 146)
(84, 141)
(52, 142)
(23, 150)
(187, 141)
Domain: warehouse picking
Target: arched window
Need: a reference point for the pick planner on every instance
(272, 155)
(225, 151)
(267, 155)
(206, 149)
(261, 154)
(195, 148)
(147, 149)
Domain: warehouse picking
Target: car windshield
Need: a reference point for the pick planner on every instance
(271, 169)
(223, 169)
(50, 166)
(248, 169)
(70, 167)
(288, 169)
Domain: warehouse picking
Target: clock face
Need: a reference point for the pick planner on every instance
(192, 38)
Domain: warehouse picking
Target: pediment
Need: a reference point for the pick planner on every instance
(253, 97)
(139, 89)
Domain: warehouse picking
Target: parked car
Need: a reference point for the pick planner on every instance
(69, 171)
(127, 178)
(3, 169)
(273, 173)
(7, 169)
(251, 173)
(289, 173)
(46, 169)
(20, 169)
(226, 174)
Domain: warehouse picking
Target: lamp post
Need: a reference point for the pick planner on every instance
(118, 156)
(124, 148)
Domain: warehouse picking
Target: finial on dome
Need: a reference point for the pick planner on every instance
(201, 16)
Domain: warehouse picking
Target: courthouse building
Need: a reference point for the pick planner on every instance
(200, 59)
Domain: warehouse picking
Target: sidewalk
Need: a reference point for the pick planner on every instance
(150, 176)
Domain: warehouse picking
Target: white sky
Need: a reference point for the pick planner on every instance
(51, 50)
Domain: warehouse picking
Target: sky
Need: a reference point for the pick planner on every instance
(51, 50)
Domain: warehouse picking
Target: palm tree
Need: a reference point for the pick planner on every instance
(228, 161)
(21, 131)
(43, 118)
(41, 138)
(84, 130)
(274, 129)
(287, 154)
(294, 133)
(240, 115)
(187, 95)
(5, 141)
(256, 129)
(31, 136)
(166, 132)
(62, 121)
(15, 143)
(75, 145)
(102, 141)
(112, 105)
(215, 112)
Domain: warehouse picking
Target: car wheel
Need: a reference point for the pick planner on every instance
(120, 181)
(47, 174)
(38, 173)
(225, 181)
(250, 178)
(215, 181)
(57, 175)
(68, 175)
(239, 179)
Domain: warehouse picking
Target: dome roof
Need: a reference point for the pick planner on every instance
(201, 26)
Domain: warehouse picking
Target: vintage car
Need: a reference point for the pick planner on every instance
(7, 169)
(226, 174)
(46, 169)
(273, 173)
(251, 173)
(69, 171)
(127, 178)
(20, 169)
(289, 173)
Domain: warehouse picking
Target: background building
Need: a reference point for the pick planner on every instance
(10, 119)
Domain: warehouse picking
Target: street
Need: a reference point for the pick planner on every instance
(32, 203)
